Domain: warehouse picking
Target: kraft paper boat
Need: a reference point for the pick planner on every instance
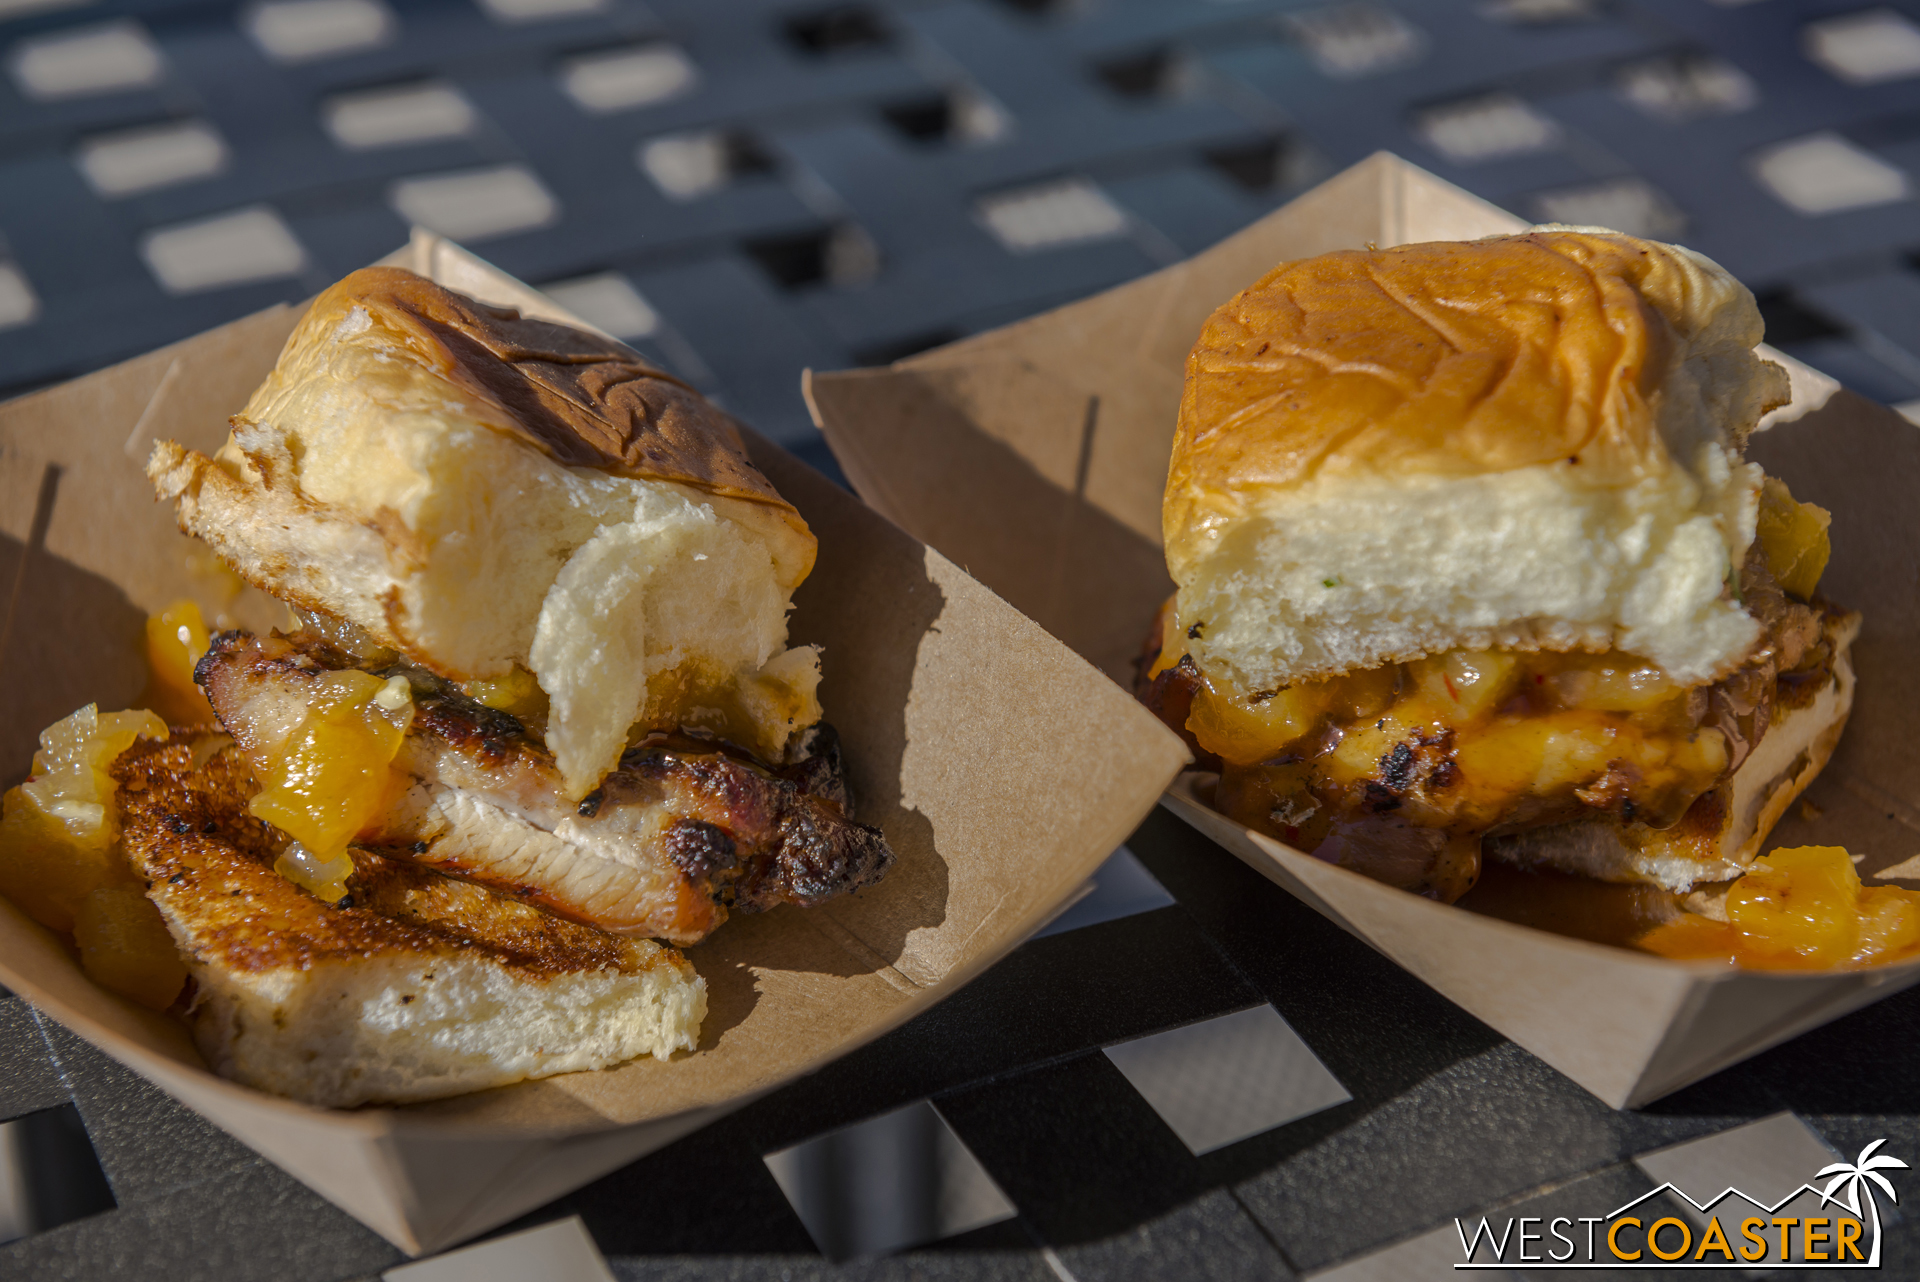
(1035, 455)
(1001, 766)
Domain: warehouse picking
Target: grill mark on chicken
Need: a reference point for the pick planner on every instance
(482, 801)
(699, 849)
(1396, 768)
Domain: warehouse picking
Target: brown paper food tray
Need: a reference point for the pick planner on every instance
(1035, 456)
(1002, 768)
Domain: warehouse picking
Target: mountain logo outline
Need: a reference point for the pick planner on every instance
(1652, 1246)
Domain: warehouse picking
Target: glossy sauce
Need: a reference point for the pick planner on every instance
(328, 775)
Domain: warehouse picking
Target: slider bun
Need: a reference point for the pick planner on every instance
(1716, 841)
(478, 490)
(1527, 442)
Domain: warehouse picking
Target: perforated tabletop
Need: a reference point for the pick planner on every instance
(747, 189)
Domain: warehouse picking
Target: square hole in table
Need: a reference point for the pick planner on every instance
(1067, 211)
(1867, 48)
(687, 166)
(897, 1180)
(1351, 40)
(49, 1173)
(562, 1251)
(517, 11)
(1684, 86)
(18, 303)
(1631, 205)
(607, 301)
(1122, 887)
(627, 78)
(1825, 173)
(1160, 72)
(228, 249)
(840, 255)
(303, 30)
(1538, 13)
(1488, 127)
(129, 161)
(1272, 163)
(475, 204)
(111, 58)
(398, 114)
(1225, 1079)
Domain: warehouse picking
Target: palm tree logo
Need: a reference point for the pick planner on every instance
(1855, 1176)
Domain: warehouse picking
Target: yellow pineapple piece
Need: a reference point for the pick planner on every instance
(1471, 683)
(1801, 903)
(43, 870)
(1572, 753)
(57, 830)
(176, 640)
(1889, 923)
(1622, 684)
(1503, 759)
(70, 772)
(125, 947)
(1245, 730)
(1793, 536)
(1799, 909)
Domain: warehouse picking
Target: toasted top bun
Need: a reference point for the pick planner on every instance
(479, 491)
(1529, 442)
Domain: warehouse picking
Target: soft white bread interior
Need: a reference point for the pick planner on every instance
(1725, 830)
(1525, 442)
(397, 1029)
(480, 491)
(415, 987)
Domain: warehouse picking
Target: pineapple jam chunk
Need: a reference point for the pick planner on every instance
(517, 693)
(1793, 536)
(1798, 909)
(330, 774)
(60, 861)
(176, 640)
(57, 837)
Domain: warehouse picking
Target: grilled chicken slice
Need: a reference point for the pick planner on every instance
(415, 986)
(685, 830)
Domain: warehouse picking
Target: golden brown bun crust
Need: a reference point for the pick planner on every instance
(582, 400)
(1450, 358)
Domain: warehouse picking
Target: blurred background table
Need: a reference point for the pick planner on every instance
(744, 189)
